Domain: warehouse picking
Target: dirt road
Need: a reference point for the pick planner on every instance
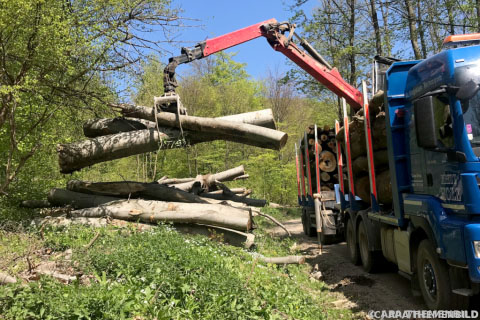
(356, 289)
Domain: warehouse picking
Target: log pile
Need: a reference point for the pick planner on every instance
(199, 201)
(359, 152)
(327, 157)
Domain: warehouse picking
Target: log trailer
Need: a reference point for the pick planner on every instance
(431, 231)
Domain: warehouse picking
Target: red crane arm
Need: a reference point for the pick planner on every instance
(274, 31)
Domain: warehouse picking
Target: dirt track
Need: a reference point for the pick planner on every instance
(356, 289)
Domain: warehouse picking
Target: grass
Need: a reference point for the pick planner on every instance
(159, 274)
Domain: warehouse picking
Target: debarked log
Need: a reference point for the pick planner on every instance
(176, 212)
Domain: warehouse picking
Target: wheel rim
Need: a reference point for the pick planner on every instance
(429, 280)
(351, 245)
(363, 243)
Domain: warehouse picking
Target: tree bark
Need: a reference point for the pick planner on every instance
(226, 235)
(158, 211)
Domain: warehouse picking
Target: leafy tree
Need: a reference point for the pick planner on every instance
(56, 61)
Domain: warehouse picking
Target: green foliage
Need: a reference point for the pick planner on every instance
(161, 274)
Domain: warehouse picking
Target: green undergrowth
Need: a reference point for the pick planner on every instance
(160, 274)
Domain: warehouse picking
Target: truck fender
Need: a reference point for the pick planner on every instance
(373, 230)
(419, 229)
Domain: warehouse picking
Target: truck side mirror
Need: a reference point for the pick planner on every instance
(425, 122)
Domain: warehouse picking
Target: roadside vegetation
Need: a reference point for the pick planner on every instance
(156, 274)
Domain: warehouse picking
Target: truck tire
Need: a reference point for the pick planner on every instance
(434, 280)
(327, 239)
(370, 259)
(307, 224)
(352, 245)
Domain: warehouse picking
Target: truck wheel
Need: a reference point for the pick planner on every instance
(307, 224)
(434, 280)
(327, 239)
(369, 258)
(304, 221)
(352, 243)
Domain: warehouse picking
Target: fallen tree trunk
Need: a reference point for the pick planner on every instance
(6, 279)
(283, 260)
(77, 200)
(208, 180)
(174, 180)
(131, 189)
(225, 235)
(35, 204)
(234, 190)
(263, 118)
(158, 211)
(236, 198)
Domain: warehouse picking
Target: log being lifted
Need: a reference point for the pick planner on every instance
(223, 126)
(158, 211)
(75, 156)
(263, 118)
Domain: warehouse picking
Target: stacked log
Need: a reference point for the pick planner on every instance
(327, 157)
(359, 152)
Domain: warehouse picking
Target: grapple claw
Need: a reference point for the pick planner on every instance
(170, 102)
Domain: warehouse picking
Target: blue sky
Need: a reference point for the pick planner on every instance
(218, 17)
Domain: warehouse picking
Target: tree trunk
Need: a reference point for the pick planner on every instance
(283, 260)
(131, 189)
(376, 28)
(6, 279)
(174, 180)
(413, 29)
(236, 198)
(225, 235)
(62, 197)
(208, 180)
(102, 127)
(75, 156)
(227, 130)
(263, 118)
(158, 211)
(35, 204)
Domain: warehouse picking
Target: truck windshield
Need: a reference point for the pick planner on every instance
(471, 107)
(471, 117)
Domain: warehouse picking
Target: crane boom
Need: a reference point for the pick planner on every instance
(275, 33)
